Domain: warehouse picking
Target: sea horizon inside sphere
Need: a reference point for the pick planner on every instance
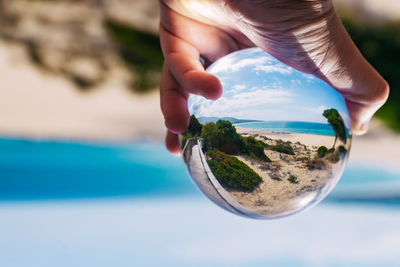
(274, 144)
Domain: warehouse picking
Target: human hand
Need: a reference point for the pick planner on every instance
(305, 34)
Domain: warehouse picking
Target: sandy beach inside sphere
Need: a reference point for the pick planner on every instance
(276, 195)
(263, 173)
(311, 140)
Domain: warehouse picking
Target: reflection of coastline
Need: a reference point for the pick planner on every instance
(246, 121)
(268, 173)
(307, 139)
(293, 127)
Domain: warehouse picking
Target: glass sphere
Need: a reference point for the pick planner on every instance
(274, 144)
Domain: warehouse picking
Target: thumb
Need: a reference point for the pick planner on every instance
(362, 107)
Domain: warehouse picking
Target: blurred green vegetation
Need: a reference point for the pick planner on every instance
(380, 44)
(141, 53)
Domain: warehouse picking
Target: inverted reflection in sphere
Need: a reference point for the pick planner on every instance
(274, 144)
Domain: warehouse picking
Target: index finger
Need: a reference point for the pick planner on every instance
(183, 57)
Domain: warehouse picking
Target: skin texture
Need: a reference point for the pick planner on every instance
(305, 34)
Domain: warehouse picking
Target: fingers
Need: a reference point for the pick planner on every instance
(346, 69)
(363, 106)
(172, 143)
(182, 41)
(364, 90)
(183, 61)
(173, 100)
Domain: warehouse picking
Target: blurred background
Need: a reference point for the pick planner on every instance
(85, 179)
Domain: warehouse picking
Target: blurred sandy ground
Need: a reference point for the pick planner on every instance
(71, 41)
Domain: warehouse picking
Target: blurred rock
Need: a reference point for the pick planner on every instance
(34, 104)
(68, 37)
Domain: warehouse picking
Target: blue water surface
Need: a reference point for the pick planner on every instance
(34, 170)
(134, 205)
(290, 127)
(54, 169)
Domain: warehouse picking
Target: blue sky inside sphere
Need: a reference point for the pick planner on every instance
(259, 87)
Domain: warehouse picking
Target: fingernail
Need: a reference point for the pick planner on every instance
(176, 154)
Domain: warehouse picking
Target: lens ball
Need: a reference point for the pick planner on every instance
(274, 144)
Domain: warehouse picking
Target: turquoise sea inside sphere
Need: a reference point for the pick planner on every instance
(275, 143)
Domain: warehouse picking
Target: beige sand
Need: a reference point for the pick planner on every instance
(276, 194)
(312, 140)
(36, 104)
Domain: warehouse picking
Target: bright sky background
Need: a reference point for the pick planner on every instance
(257, 86)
